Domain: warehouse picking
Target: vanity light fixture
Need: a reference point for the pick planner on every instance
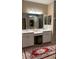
(30, 16)
(34, 12)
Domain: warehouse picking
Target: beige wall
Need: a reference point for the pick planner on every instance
(51, 12)
(50, 9)
(34, 6)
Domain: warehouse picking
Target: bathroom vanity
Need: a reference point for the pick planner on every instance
(34, 31)
(30, 37)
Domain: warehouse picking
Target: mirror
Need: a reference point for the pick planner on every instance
(23, 23)
(47, 20)
(33, 21)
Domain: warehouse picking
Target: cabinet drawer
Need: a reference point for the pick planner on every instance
(47, 32)
(27, 34)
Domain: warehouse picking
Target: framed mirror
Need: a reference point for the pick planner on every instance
(33, 21)
(47, 20)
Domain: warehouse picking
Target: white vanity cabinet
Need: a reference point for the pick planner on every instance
(47, 36)
(27, 39)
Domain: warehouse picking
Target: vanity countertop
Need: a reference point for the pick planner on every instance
(27, 31)
(35, 31)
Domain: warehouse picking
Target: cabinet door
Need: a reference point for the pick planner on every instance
(27, 39)
(47, 36)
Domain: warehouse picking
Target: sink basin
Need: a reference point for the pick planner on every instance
(36, 31)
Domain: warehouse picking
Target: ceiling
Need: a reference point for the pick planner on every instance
(41, 1)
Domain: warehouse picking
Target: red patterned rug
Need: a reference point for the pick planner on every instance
(40, 53)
